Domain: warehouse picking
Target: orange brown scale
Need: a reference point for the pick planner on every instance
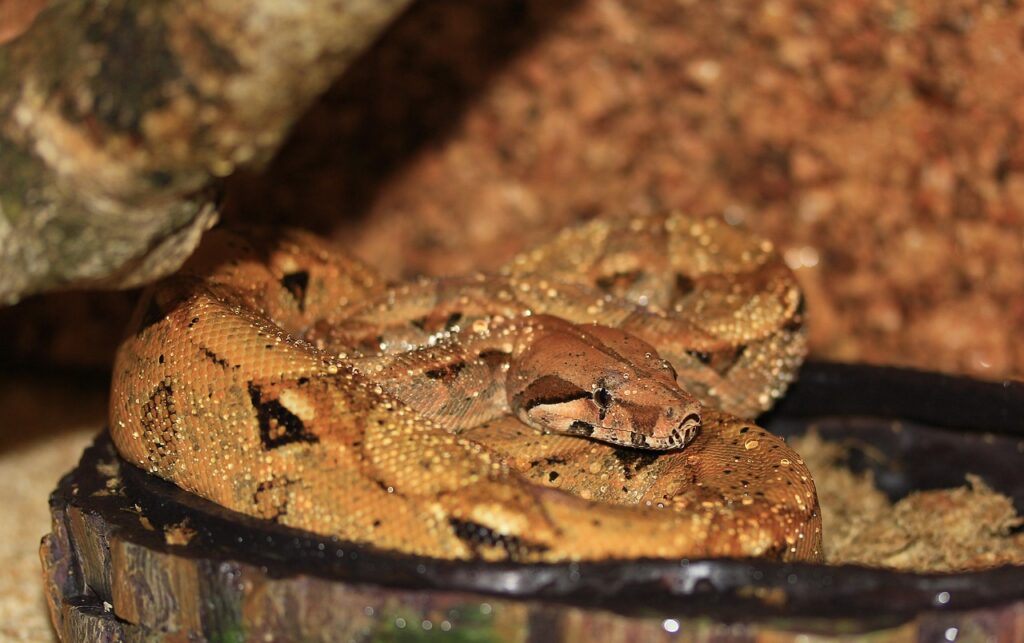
(279, 377)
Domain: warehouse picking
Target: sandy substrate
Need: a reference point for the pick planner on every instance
(43, 428)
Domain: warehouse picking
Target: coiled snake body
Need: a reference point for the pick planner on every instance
(531, 415)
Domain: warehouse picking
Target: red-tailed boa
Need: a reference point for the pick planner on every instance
(529, 415)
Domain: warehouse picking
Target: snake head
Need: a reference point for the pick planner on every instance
(601, 383)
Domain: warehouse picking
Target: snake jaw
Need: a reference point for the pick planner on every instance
(678, 438)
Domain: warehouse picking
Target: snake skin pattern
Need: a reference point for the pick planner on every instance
(529, 415)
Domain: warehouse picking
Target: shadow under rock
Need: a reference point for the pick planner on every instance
(39, 404)
(405, 94)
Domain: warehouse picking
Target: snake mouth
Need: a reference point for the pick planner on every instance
(678, 438)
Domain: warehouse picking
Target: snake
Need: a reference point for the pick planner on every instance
(593, 399)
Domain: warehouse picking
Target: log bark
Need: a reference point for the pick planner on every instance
(118, 118)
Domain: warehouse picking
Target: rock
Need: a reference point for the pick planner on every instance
(117, 120)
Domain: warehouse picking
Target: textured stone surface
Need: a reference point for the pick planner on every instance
(117, 118)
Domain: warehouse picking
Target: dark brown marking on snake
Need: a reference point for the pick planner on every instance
(446, 372)
(580, 427)
(213, 357)
(551, 389)
(493, 359)
(634, 461)
(432, 323)
(554, 459)
(638, 439)
(644, 420)
(297, 283)
(701, 356)
(725, 361)
(479, 537)
(795, 322)
(278, 425)
(275, 491)
(603, 399)
(386, 488)
(619, 282)
(159, 409)
(452, 321)
(684, 285)
(801, 306)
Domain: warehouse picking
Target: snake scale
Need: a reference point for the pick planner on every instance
(589, 401)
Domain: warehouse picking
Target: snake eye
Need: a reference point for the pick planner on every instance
(602, 397)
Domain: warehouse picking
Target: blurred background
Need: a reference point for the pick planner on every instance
(879, 144)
